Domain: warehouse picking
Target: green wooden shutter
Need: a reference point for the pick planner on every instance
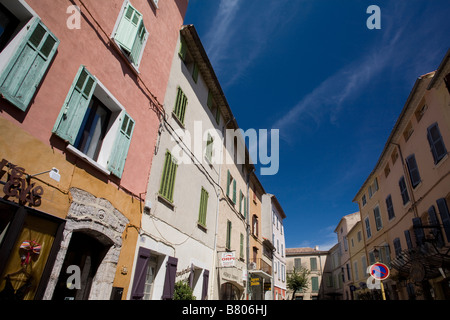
(209, 148)
(241, 251)
(183, 49)
(128, 28)
(195, 72)
(228, 183)
(210, 100)
(138, 44)
(203, 207)
(228, 244)
(166, 189)
(116, 162)
(77, 101)
(180, 105)
(22, 76)
(234, 191)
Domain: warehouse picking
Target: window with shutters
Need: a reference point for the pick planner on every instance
(209, 148)
(436, 142)
(95, 125)
(403, 190)
(231, 187)
(24, 58)
(377, 216)
(179, 110)
(203, 208)
(413, 170)
(368, 231)
(166, 189)
(397, 247)
(130, 34)
(390, 207)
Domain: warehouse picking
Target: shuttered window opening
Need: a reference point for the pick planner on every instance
(205, 285)
(180, 105)
(27, 66)
(203, 207)
(403, 190)
(85, 122)
(169, 281)
(436, 228)
(436, 142)
(390, 207)
(131, 34)
(140, 273)
(413, 170)
(228, 243)
(209, 148)
(166, 189)
(445, 216)
(377, 216)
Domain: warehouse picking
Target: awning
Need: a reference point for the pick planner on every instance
(422, 263)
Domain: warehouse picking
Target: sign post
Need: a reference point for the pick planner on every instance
(380, 271)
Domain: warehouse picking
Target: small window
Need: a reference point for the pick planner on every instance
(131, 34)
(421, 111)
(397, 247)
(364, 200)
(436, 142)
(408, 131)
(394, 156)
(387, 170)
(95, 125)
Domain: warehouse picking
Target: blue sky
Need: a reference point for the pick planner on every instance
(334, 89)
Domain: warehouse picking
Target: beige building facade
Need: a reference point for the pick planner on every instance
(405, 201)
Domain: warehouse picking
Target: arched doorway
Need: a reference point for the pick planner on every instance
(85, 252)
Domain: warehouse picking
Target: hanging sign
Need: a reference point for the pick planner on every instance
(228, 259)
(18, 185)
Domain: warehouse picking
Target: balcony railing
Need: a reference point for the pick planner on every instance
(260, 264)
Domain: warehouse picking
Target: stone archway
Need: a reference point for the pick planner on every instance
(98, 218)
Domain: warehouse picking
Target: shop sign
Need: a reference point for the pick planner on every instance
(254, 282)
(18, 185)
(228, 259)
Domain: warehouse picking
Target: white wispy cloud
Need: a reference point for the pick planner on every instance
(239, 32)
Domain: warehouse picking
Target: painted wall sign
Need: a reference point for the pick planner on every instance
(18, 185)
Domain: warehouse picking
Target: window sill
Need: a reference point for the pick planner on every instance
(202, 227)
(85, 158)
(175, 117)
(443, 159)
(166, 202)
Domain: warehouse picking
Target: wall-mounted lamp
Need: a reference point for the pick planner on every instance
(54, 174)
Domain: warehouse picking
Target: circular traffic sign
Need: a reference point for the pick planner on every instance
(379, 271)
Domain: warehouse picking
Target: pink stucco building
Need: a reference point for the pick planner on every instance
(81, 91)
